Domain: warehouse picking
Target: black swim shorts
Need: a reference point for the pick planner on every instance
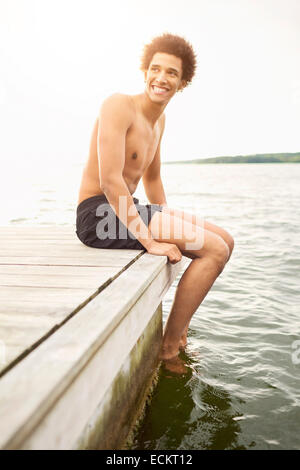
(98, 226)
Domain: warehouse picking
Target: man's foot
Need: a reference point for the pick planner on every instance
(175, 364)
(167, 354)
(171, 361)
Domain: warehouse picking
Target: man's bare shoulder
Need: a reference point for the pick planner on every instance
(118, 102)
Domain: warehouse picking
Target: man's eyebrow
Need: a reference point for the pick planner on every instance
(169, 68)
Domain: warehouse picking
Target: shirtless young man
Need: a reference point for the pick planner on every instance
(125, 147)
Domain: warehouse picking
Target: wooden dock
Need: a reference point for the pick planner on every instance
(80, 331)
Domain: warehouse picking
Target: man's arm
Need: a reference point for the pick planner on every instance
(151, 178)
(115, 118)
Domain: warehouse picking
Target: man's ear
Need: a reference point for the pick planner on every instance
(145, 75)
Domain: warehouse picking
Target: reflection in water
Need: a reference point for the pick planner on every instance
(184, 406)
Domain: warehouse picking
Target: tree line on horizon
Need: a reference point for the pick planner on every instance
(257, 158)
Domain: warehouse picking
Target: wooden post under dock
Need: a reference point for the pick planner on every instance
(80, 332)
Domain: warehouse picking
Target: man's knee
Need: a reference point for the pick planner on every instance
(230, 242)
(220, 253)
(228, 239)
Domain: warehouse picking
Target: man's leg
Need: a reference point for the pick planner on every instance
(192, 218)
(208, 261)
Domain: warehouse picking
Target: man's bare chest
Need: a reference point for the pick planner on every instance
(140, 146)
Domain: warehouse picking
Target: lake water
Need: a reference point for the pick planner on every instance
(242, 386)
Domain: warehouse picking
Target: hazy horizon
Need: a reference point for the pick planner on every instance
(242, 155)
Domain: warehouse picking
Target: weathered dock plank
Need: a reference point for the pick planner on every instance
(46, 274)
(55, 276)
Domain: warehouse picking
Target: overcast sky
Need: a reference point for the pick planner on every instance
(60, 58)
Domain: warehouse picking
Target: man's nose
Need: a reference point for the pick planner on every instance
(161, 77)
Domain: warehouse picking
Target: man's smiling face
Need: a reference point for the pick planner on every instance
(163, 77)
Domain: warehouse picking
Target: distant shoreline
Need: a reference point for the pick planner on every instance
(257, 158)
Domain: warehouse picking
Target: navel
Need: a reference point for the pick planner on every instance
(134, 155)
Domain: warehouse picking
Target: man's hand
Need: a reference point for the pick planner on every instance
(165, 249)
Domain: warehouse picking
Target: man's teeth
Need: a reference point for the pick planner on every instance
(159, 90)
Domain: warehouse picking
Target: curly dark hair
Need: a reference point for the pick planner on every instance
(175, 45)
